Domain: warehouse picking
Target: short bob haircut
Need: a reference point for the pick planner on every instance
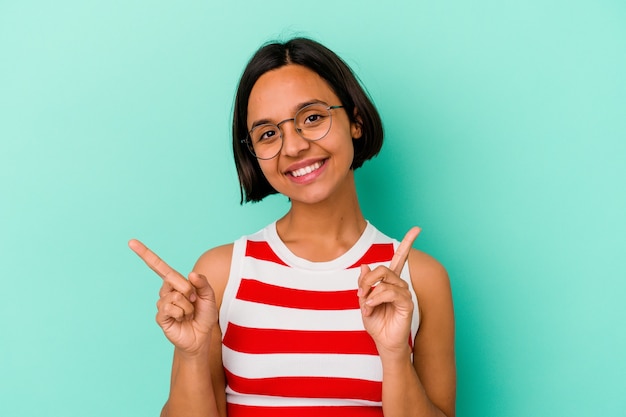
(308, 53)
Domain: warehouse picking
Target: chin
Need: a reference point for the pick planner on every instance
(311, 198)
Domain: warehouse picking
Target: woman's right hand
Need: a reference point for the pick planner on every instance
(187, 310)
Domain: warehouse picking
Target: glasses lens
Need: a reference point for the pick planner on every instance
(313, 122)
(265, 141)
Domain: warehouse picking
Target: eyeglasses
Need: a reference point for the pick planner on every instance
(312, 123)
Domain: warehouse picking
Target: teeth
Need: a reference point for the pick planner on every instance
(306, 170)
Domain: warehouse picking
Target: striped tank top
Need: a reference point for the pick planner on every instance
(293, 338)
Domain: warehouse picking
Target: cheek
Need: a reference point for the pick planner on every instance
(264, 167)
(269, 170)
(348, 147)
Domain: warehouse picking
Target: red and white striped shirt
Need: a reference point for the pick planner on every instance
(293, 337)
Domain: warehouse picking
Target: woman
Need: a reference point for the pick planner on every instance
(318, 312)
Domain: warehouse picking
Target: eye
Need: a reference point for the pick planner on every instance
(265, 133)
(312, 116)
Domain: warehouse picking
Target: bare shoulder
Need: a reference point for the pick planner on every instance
(434, 298)
(427, 274)
(215, 265)
(217, 257)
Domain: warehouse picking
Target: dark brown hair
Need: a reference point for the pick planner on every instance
(340, 78)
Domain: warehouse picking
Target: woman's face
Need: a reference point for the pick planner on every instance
(304, 171)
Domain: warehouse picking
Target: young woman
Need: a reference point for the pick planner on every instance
(318, 313)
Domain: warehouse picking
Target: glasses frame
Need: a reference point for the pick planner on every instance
(248, 139)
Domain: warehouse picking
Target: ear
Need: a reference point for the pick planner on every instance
(356, 127)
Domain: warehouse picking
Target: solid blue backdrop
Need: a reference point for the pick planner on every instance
(505, 141)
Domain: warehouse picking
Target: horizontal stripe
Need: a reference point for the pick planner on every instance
(298, 278)
(264, 316)
(236, 410)
(253, 340)
(259, 292)
(367, 367)
(378, 252)
(269, 401)
(307, 387)
(262, 251)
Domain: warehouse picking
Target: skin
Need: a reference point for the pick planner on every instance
(324, 221)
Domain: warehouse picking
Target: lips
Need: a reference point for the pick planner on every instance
(306, 169)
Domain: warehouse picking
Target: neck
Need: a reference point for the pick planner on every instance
(325, 230)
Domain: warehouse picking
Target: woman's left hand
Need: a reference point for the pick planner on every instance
(385, 300)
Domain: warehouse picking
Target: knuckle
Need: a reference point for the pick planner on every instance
(187, 310)
(165, 308)
(176, 296)
(188, 288)
(167, 288)
(381, 269)
(160, 318)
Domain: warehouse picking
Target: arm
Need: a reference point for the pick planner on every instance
(188, 314)
(426, 387)
(197, 386)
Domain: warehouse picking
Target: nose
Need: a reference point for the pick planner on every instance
(293, 143)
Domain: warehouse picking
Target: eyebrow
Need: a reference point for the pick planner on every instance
(295, 109)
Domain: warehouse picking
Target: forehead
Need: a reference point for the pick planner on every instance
(278, 93)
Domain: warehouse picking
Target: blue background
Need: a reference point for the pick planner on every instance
(505, 140)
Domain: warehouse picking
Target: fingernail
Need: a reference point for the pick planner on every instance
(192, 297)
(359, 292)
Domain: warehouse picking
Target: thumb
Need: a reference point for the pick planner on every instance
(201, 284)
(365, 269)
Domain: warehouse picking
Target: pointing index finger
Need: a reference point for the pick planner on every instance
(168, 274)
(402, 253)
(151, 259)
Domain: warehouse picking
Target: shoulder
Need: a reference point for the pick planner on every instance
(426, 269)
(215, 265)
(216, 257)
(430, 280)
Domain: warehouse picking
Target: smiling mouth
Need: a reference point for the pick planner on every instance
(307, 170)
